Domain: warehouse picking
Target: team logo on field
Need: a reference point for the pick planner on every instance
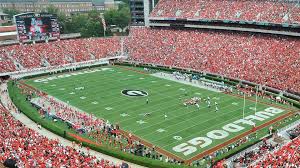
(134, 93)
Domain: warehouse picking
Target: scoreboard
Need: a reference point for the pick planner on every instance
(37, 26)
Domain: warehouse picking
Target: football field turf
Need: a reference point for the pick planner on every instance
(100, 92)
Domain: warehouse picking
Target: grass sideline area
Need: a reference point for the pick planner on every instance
(116, 79)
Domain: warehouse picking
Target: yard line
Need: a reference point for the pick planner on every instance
(157, 104)
(161, 109)
(223, 114)
(223, 102)
(233, 119)
(137, 82)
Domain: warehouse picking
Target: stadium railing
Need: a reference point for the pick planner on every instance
(62, 36)
(241, 22)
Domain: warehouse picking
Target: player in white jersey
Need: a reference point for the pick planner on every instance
(217, 109)
(208, 103)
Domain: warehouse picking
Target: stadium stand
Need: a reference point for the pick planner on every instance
(268, 155)
(57, 52)
(295, 132)
(287, 156)
(26, 148)
(278, 12)
(5, 63)
(265, 59)
(248, 158)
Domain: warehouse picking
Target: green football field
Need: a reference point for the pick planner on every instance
(100, 92)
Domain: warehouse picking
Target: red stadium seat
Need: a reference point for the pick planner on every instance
(237, 10)
(264, 59)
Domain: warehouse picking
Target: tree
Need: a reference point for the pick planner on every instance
(75, 23)
(124, 16)
(94, 15)
(11, 12)
(120, 18)
(92, 29)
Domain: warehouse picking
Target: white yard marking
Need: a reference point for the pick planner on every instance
(167, 85)
(153, 81)
(82, 97)
(53, 85)
(105, 69)
(119, 72)
(45, 82)
(160, 130)
(182, 89)
(129, 75)
(252, 108)
(178, 138)
(198, 93)
(216, 98)
(108, 108)
(72, 93)
(62, 89)
(124, 115)
(235, 103)
(94, 102)
(79, 88)
(141, 122)
(142, 78)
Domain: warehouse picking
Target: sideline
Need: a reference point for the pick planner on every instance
(5, 99)
(194, 83)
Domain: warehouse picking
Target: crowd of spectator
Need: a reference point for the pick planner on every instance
(249, 157)
(236, 10)
(287, 156)
(265, 59)
(295, 132)
(23, 147)
(5, 63)
(57, 52)
(209, 160)
(76, 119)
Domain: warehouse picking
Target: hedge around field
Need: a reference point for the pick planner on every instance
(31, 112)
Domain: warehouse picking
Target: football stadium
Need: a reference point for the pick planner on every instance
(212, 84)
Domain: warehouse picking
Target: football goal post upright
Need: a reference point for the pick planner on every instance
(244, 106)
(255, 99)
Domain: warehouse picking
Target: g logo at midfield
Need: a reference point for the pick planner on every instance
(134, 93)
